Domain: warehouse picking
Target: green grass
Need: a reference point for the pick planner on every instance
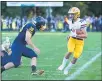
(53, 47)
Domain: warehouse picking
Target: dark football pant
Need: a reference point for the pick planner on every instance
(5, 59)
(18, 51)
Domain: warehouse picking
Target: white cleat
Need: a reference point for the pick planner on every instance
(60, 67)
(65, 72)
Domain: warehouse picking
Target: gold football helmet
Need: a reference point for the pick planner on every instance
(74, 13)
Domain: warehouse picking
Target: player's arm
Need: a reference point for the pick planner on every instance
(29, 41)
(83, 35)
(83, 29)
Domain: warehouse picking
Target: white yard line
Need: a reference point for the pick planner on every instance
(72, 76)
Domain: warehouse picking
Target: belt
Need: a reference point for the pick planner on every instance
(77, 38)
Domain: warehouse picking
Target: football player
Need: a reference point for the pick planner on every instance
(19, 45)
(5, 51)
(76, 38)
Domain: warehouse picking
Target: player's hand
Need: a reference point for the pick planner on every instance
(73, 34)
(37, 50)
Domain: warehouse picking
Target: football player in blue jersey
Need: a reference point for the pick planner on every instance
(19, 45)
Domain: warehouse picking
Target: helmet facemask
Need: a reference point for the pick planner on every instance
(73, 16)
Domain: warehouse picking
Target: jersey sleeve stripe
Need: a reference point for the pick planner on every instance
(84, 25)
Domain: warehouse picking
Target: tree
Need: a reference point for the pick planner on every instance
(94, 8)
(67, 5)
(87, 8)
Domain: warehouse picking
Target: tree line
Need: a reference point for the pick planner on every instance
(87, 8)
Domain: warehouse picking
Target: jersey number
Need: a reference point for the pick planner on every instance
(31, 29)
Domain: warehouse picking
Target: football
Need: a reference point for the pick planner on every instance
(41, 72)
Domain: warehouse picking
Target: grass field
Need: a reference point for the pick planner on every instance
(53, 47)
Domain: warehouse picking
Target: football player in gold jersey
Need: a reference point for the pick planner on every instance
(77, 35)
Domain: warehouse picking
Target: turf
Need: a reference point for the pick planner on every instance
(53, 47)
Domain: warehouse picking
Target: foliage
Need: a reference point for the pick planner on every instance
(87, 8)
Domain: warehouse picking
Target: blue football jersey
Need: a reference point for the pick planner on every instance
(31, 27)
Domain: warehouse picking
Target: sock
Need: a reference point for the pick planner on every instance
(2, 69)
(64, 61)
(33, 68)
(69, 66)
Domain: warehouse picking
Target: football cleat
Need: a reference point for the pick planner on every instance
(61, 67)
(65, 72)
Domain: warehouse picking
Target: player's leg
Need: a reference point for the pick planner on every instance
(77, 53)
(64, 61)
(70, 65)
(27, 52)
(70, 46)
(14, 59)
(4, 58)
